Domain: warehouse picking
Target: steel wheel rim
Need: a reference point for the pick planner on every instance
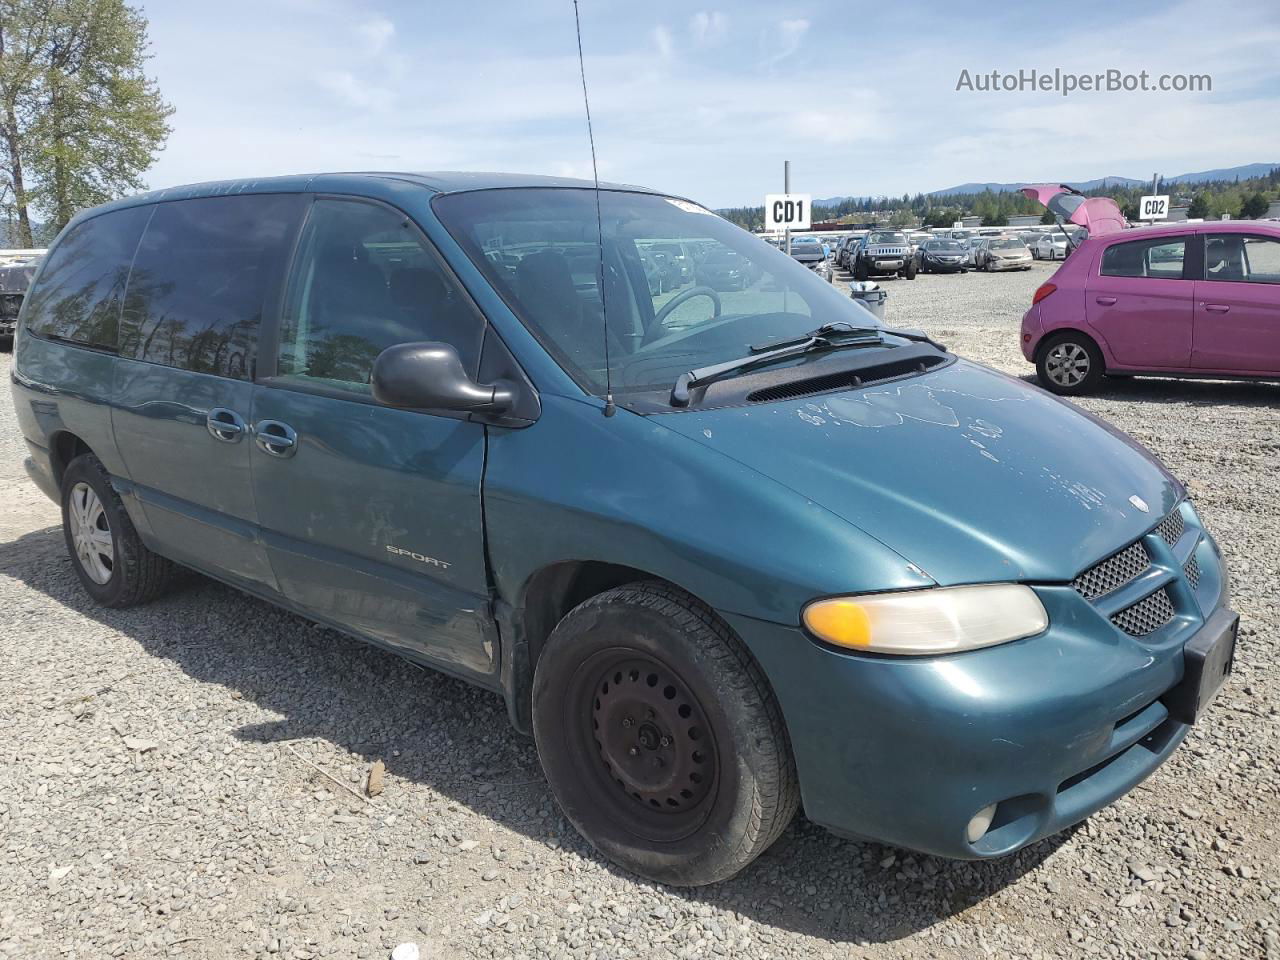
(91, 534)
(1067, 364)
(658, 775)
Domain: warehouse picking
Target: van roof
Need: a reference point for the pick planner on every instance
(438, 182)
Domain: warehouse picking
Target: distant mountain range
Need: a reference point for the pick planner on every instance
(1225, 173)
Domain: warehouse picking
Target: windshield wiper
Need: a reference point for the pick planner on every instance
(826, 330)
(705, 375)
(843, 327)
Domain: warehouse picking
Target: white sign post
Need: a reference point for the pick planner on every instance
(1153, 208)
(787, 211)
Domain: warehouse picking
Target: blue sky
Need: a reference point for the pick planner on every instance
(708, 100)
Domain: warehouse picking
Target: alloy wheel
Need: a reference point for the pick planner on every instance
(91, 534)
(1067, 364)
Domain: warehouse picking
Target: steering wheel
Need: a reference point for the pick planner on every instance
(678, 299)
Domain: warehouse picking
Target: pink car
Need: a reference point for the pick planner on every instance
(1174, 300)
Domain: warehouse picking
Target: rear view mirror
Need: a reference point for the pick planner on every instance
(430, 376)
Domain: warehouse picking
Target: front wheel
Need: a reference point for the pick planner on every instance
(910, 272)
(660, 737)
(859, 271)
(1070, 365)
(113, 565)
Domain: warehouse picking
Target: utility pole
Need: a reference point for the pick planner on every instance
(786, 188)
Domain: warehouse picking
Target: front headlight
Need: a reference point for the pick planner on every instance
(924, 622)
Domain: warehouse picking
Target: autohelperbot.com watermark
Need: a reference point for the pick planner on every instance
(1065, 82)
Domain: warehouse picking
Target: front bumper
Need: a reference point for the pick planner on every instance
(885, 264)
(1022, 263)
(946, 266)
(906, 750)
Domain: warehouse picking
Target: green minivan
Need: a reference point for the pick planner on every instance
(726, 550)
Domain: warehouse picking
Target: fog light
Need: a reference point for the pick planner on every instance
(980, 824)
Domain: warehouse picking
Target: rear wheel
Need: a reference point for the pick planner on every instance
(660, 736)
(1070, 364)
(113, 565)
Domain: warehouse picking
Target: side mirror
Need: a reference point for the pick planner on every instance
(430, 376)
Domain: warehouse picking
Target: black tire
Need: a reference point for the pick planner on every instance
(6, 344)
(661, 738)
(1059, 362)
(910, 272)
(860, 270)
(136, 575)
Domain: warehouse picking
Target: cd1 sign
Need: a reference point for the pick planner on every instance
(787, 211)
(1153, 208)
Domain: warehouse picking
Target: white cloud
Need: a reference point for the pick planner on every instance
(787, 38)
(356, 93)
(662, 40)
(376, 34)
(708, 28)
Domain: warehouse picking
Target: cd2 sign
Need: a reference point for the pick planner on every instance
(1153, 208)
(787, 211)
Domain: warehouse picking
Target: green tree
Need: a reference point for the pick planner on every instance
(1255, 205)
(80, 121)
(1047, 217)
(995, 219)
(1199, 208)
(941, 218)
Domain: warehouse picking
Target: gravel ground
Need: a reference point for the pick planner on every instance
(162, 792)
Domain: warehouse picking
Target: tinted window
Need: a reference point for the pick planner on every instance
(82, 284)
(364, 281)
(1233, 256)
(1157, 257)
(200, 279)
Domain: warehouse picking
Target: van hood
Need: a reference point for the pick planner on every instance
(967, 473)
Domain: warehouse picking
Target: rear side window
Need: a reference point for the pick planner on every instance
(200, 281)
(1244, 259)
(363, 281)
(1157, 257)
(80, 290)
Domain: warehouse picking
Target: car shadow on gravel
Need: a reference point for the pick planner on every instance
(1237, 393)
(443, 733)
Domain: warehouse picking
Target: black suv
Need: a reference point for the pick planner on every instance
(884, 252)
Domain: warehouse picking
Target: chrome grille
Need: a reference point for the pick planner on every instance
(1146, 616)
(1171, 528)
(1115, 571)
(1192, 572)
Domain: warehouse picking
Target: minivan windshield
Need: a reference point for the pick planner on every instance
(539, 248)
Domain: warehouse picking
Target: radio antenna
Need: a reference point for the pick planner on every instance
(609, 408)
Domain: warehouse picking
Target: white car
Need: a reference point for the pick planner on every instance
(1050, 246)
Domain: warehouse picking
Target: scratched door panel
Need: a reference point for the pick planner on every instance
(373, 521)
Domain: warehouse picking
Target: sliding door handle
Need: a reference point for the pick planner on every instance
(225, 425)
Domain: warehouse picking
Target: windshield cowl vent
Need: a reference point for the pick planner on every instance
(848, 379)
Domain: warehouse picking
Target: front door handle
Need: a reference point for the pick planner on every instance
(1106, 301)
(1216, 307)
(276, 438)
(225, 425)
